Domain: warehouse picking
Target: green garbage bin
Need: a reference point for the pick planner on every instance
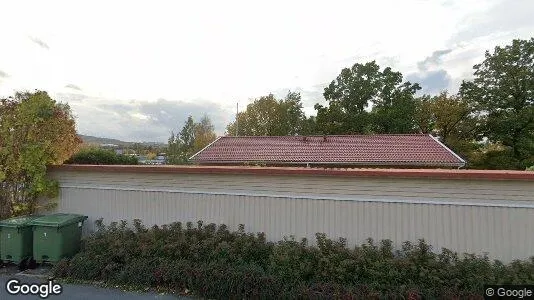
(16, 238)
(56, 236)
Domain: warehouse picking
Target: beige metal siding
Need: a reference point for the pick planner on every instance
(372, 188)
(465, 216)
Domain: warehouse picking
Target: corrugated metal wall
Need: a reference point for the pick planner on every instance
(466, 216)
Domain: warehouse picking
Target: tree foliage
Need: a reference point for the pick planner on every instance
(424, 114)
(268, 116)
(359, 87)
(451, 119)
(35, 131)
(502, 93)
(98, 156)
(497, 106)
(204, 133)
(192, 138)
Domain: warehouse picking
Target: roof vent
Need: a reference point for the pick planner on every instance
(304, 138)
(324, 138)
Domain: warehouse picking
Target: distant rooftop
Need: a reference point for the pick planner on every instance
(402, 150)
(109, 145)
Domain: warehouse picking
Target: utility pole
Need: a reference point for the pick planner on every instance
(237, 120)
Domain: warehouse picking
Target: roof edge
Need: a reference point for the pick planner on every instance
(287, 171)
(205, 148)
(448, 149)
(436, 164)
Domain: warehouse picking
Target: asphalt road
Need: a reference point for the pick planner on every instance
(78, 291)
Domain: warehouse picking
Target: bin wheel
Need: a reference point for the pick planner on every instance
(23, 264)
(32, 264)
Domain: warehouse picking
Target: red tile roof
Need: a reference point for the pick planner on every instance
(361, 150)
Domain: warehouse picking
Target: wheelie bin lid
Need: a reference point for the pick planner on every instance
(18, 222)
(58, 220)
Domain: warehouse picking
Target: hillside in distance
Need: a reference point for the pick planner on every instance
(93, 140)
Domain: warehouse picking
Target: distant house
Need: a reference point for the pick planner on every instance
(392, 150)
(158, 160)
(142, 159)
(109, 145)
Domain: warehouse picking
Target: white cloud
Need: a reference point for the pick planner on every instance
(229, 51)
(140, 116)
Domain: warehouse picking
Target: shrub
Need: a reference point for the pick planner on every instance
(98, 156)
(217, 263)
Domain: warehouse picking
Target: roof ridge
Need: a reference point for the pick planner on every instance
(328, 135)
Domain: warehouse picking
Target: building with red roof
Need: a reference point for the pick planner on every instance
(378, 150)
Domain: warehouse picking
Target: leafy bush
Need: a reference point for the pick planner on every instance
(97, 156)
(501, 158)
(531, 168)
(214, 262)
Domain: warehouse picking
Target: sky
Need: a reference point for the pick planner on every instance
(134, 70)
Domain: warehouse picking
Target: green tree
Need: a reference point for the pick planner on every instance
(502, 93)
(192, 138)
(309, 126)
(35, 131)
(394, 108)
(173, 150)
(333, 119)
(98, 156)
(291, 114)
(360, 86)
(424, 114)
(181, 145)
(455, 122)
(187, 135)
(204, 134)
(270, 116)
(451, 119)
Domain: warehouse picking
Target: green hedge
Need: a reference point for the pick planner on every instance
(213, 262)
(97, 156)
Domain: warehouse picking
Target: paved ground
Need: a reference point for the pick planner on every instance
(75, 291)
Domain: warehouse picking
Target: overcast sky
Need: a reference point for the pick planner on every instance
(134, 70)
